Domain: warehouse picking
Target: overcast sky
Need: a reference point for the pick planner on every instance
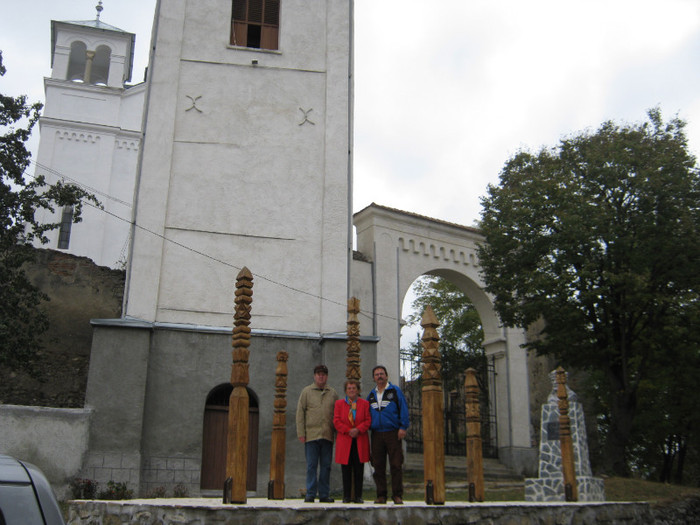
(446, 91)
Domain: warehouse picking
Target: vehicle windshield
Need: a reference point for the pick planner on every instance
(19, 505)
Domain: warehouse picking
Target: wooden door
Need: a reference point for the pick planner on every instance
(214, 440)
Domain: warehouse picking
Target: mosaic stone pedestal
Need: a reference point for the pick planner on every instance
(549, 486)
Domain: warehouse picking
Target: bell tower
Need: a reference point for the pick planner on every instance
(90, 134)
(246, 162)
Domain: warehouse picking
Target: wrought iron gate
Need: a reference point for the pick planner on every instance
(455, 415)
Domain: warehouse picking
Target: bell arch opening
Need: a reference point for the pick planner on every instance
(100, 66)
(77, 61)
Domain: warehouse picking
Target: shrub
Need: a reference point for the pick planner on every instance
(116, 491)
(157, 492)
(180, 491)
(82, 488)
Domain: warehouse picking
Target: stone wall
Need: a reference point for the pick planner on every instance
(200, 511)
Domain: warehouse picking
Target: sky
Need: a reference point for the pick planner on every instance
(445, 96)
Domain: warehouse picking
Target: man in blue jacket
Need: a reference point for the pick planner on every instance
(389, 413)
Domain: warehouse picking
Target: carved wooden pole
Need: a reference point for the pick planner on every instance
(279, 430)
(433, 417)
(475, 463)
(353, 349)
(237, 453)
(567, 446)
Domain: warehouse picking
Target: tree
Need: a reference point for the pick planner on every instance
(22, 320)
(460, 329)
(600, 238)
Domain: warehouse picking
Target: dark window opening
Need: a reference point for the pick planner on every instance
(64, 231)
(255, 23)
(254, 33)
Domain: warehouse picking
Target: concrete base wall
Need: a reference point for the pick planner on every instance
(53, 439)
(149, 383)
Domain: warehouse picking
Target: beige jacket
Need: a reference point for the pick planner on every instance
(315, 413)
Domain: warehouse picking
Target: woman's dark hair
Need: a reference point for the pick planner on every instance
(353, 382)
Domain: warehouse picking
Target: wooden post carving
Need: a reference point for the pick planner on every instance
(433, 417)
(353, 348)
(279, 430)
(475, 463)
(567, 446)
(237, 450)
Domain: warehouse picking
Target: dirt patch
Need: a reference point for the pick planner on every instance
(78, 290)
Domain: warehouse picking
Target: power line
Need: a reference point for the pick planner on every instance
(181, 245)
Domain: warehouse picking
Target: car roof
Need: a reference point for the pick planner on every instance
(12, 471)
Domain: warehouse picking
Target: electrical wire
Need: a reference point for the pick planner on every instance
(179, 244)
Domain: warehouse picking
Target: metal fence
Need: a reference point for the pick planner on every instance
(455, 415)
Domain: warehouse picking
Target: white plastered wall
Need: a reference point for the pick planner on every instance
(233, 175)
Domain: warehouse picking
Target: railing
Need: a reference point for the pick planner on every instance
(455, 418)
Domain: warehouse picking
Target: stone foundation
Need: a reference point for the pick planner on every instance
(204, 511)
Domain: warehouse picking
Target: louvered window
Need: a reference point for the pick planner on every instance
(255, 23)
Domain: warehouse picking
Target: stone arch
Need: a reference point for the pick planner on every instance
(402, 246)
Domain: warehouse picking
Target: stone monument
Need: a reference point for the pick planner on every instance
(549, 486)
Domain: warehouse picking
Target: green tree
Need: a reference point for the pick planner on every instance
(599, 237)
(460, 329)
(22, 320)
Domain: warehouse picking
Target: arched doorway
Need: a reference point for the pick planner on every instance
(215, 435)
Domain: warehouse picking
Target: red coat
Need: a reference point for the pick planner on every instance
(343, 441)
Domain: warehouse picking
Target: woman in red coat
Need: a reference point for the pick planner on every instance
(351, 420)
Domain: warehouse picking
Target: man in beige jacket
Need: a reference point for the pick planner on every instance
(315, 429)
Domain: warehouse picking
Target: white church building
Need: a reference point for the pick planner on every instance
(236, 151)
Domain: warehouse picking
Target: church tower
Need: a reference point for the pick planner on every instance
(246, 162)
(90, 134)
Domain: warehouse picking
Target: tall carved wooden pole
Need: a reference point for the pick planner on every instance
(237, 453)
(567, 446)
(475, 463)
(353, 349)
(279, 430)
(433, 417)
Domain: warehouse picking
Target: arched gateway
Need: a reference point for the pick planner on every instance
(402, 246)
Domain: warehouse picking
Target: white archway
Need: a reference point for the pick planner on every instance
(403, 246)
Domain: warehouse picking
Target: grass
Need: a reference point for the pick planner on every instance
(616, 489)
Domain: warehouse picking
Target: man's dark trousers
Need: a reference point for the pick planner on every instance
(383, 444)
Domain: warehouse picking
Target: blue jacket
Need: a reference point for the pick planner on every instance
(393, 414)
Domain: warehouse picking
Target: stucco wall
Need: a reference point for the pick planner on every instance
(149, 385)
(53, 439)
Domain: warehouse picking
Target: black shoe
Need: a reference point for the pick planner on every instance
(326, 500)
(347, 500)
(359, 500)
(309, 499)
